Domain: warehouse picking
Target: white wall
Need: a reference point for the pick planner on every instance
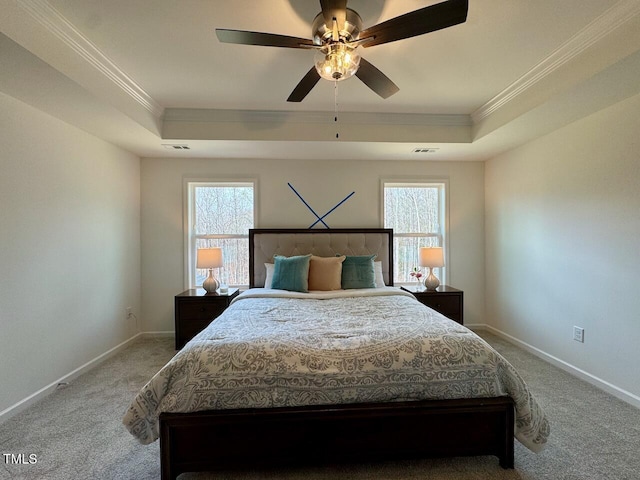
(322, 184)
(563, 229)
(69, 249)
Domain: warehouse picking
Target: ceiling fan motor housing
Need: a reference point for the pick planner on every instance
(348, 31)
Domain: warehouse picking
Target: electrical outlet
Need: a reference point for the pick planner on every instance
(578, 334)
(129, 312)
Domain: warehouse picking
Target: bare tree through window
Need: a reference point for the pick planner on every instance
(222, 214)
(415, 211)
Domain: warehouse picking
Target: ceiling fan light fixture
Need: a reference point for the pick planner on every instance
(337, 61)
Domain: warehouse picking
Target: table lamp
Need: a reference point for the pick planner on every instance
(209, 258)
(431, 257)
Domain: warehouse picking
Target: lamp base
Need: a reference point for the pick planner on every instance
(210, 284)
(431, 282)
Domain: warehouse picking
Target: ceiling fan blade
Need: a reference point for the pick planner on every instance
(375, 79)
(334, 9)
(304, 87)
(244, 37)
(418, 22)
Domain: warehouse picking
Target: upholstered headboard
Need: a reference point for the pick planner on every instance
(265, 243)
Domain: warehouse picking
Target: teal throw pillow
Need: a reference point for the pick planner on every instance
(358, 272)
(291, 273)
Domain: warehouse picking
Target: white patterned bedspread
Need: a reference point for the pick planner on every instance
(273, 348)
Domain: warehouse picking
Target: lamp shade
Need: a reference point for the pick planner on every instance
(209, 258)
(431, 257)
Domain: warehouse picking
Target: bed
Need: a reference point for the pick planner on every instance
(290, 377)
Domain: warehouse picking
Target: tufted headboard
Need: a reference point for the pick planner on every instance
(265, 243)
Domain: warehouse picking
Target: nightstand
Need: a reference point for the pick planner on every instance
(445, 299)
(195, 309)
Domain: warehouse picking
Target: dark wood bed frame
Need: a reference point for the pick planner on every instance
(328, 434)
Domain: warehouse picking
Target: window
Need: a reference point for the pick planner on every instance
(220, 214)
(416, 212)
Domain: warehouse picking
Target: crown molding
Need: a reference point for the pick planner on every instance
(602, 26)
(47, 16)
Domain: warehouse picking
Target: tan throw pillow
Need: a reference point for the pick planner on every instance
(325, 273)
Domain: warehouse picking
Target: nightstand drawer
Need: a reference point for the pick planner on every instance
(190, 328)
(443, 304)
(200, 310)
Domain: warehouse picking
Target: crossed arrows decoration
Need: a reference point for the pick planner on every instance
(320, 219)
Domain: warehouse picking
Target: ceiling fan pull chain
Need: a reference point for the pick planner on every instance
(335, 104)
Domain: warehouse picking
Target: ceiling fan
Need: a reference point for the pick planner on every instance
(337, 34)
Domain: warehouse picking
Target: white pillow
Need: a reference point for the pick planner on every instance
(268, 280)
(377, 270)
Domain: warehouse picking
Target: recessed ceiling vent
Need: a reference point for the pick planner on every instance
(173, 146)
(425, 150)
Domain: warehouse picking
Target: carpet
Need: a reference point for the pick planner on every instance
(76, 432)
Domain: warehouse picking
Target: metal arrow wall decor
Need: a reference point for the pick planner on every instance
(319, 219)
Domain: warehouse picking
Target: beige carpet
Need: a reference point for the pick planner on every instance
(76, 433)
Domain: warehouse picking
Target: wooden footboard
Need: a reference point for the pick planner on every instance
(253, 438)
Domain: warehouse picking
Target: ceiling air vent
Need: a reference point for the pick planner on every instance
(172, 146)
(425, 150)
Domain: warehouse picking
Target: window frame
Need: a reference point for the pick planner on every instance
(443, 185)
(188, 217)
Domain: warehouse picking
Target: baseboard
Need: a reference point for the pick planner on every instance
(43, 392)
(617, 392)
(166, 334)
